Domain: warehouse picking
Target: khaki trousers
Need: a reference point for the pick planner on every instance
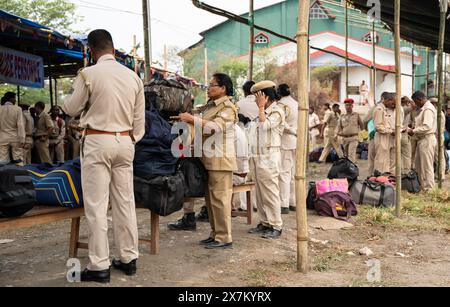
(239, 199)
(287, 180)
(107, 179)
(58, 151)
(413, 150)
(16, 152)
(371, 156)
(267, 173)
(43, 152)
(406, 153)
(75, 145)
(436, 158)
(384, 161)
(350, 145)
(218, 200)
(424, 161)
(27, 150)
(331, 141)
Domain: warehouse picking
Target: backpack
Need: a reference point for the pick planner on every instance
(344, 168)
(17, 193)
(163, 195)
(336, 204)
(314, 155)
(153, 154)
(195, 176)
(312, 195)
(373, 193)
(411, 183)
(58, 185)
(332, 156)
(169, 97)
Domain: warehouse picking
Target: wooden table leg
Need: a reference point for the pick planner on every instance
(154, 225)
(249, 207)
(74, 236)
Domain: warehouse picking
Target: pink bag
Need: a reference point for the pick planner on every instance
(331, 185)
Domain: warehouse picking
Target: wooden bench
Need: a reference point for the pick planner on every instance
(43, 215)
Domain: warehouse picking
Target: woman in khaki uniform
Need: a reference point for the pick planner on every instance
(217, 119)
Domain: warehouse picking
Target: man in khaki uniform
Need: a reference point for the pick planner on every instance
(217, 119)
(74, 137)
(29, 129)
(440, 146)
(110, 99)
(44, 128)
(350, 125)
(425, 129)
(265, 138)
(288, 149)
(56, 141)
(331, 122)
(12, 129)
(406, 139)
(384, 122)
(314, 124)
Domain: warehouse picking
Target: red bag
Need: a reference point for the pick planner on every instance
(339, 205)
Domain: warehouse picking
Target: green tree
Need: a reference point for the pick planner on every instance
(59, 15)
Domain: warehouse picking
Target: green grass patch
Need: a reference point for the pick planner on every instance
(325, 259)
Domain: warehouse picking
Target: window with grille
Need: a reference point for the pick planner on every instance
(317, 12)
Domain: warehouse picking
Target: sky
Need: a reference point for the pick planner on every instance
(174, 22)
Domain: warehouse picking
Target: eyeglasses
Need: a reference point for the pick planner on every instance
(213, 85)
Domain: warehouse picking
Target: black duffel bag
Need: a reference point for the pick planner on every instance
(344, 168)
(163, 195)
(17, 193)
(373, 193)
(312, 196)
(411, 183)
(195, 176)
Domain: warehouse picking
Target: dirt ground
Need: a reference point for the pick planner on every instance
(409, 255)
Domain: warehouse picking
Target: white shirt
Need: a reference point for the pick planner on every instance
(314, 121)
(248, 107)
(289, 138)
(242, 156)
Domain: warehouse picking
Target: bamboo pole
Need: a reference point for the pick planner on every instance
(428, 71)
(206, 71)
(398, 82)
(443, 9)
(413, 70)
(302, 152)
(136, 68)
(346, 49)
(147, 40)
(251, 18)
(18, 94)
(165, 58)
(374, 69)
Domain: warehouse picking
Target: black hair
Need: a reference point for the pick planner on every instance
(7, 97)
(225, 80)
(24, 106)
(284, 90)
(247, 87)
(419, 95)
(327, 105)
(390, 96)
(40, 105)
(271, 93)
(384, 95)
(336, 106)
(100, 40)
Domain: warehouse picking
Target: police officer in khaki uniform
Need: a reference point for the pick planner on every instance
(29, 129)
(265, 138)
(74, 137)
(406, 139)
(217, 119)
(331, 122)
(425, 129)
(288, 149)
(44, 128)
(12, 129)
(56, 140)
(110, 99)
(384, 122)
(435, 102)
(350, 124)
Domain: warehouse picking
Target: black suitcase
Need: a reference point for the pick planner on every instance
(17, 193)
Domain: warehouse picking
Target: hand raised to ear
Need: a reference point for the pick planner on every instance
(261, 99)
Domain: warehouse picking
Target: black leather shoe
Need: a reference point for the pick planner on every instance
(292, 208)
(187, 222)
(284, 210)
(219, 245)
(207, 241)
(272, 234)
(96, 276)
(203, 215)
(128, 268)
(259, 229)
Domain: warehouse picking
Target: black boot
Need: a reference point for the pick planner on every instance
(203, 215)
(187, 222)
(96, 276)
(128, 268)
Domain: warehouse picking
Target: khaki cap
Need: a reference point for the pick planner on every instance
(262, 85)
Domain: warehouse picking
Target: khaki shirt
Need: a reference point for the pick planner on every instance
(248, 107)
(331, 119)
(290, 107)
(219, 153)
(350, 125)
(29, 123)
(426, 120)
(384, 119)
(43, 124)
(109, 97)
(12, 125)
(59, 131)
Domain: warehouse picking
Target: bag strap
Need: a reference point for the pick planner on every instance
(383, 189)
(363, 191)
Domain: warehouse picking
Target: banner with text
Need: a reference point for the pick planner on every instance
(20, 68)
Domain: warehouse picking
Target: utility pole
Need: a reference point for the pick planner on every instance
(147, 39)
(252, 40)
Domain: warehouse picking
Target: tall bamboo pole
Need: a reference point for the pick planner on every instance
(251, 18)
(374, 69)
(206, 71)
(443, 9)
(302, 152)
(398, 82)
(346, 49)
(147, 39)
(413, 70)
(428, 71)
